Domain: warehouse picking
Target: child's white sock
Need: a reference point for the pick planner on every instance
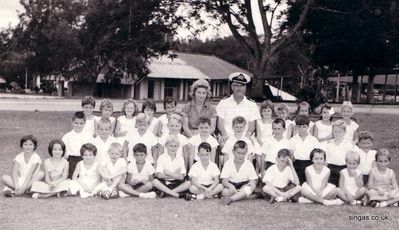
(200, 197)
(280, 199)
(147, 195)
(328, 202)
(383, 204)
(303, 200)
(35, 195)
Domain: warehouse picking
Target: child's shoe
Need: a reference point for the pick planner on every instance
(199, 197)
(35, 195)
(61, 194)
(280, 199)
(303, 200)
(382, 204)
(148, 195)
(333, 202)
(114, 194)
(9, 193)
(106, 195)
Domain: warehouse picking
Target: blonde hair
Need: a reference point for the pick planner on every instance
(104, 121)
(129, 101)
(200, 83)
(141, 118)
(339, 124)
(115, 146)
(347, 104)
(106, 103)
(177, 117)
(352, 155)
(281, 107)
(172, 138)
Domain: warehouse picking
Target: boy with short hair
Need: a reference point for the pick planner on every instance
(169, 105)
(140, 174)
(367, 154)
(205, 174)
(272, 146)
(238, 124)
(141, 135)
(302, 144)
(281, 180)
(74, 140)
(171, 171)
(111, 173)
(204, 125)
(238, 185)
(104, 140)
(88, 105)
(282, 112)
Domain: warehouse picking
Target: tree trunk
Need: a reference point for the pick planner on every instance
(370, 87)
(355, 87)
(256, 89)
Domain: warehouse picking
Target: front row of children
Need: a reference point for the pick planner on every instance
(238, 177)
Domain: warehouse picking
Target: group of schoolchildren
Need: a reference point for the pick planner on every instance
(326, 162)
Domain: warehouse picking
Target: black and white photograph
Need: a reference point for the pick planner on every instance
(199, 114)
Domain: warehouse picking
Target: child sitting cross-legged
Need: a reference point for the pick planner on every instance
(281, 180)
(111, 172)
(316, 189)
(351, 188)
(205, 174)
(238, 175)
(171, 171)
(140, 174)
(383, 188)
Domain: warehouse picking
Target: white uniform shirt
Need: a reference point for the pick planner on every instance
(228, 109)
(277, 178)
(204, 176)
(89, 126)
(166, 162)
(245, 173)
(148, 139)
(182, 142)
(102, 156)
(229, 145)
(164, 122)
(126, 124)
(265, 129)
(112, 169)
(145, 173)
(302, 148)
(350, 182)
(350, 130)
(317, 178)
(366, 160)
(73, 142)
(24, 166)
(272, 146)
(89, 177)
(323, 130)
(288, 123)
(196, 140)
(336, 153)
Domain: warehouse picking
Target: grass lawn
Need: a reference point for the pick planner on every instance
(135, 213)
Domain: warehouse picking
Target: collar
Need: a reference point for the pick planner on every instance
(206, 104)
(244, 100)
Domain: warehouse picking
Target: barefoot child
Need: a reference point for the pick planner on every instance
(25, 169)
(281, 181)
(238, 175)
(56, 173)
(111, 173)
(85, 177)
(316, 189)
(88, 105)
(140, 174)
(171, 171)
(351, 188)
(127, 121)
(383, 188)
(205, 174)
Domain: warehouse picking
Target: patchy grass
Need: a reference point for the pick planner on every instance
(134, 213)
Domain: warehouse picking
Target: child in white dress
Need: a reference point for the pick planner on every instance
(154, 125)
(56, 173)
(351, 126)
(127, 121)
(323, 128)
(264, 130)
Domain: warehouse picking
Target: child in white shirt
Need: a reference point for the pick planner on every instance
(204, 125)
(367, 155)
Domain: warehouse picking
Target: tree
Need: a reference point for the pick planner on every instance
(263, 49)
(357, 37)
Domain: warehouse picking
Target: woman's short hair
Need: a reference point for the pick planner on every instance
(200, 83)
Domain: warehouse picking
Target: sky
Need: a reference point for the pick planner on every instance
(9, 16)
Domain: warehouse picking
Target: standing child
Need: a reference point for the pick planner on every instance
(204, 126)
(302, 144)
(367, 155)
(154, 125)
(351, 188)
(336, 150)
(281, 181)
(304, 110)
(264, 128)
(238, 175)
(144, 136)
(316, 188)
(74, 140)
(111, 173)
(25, 169)
(106, 109)
(127, 121)
(104, 140)
(205, 174)
(88, 105)
(140, 174)
(282, 112)
(85, 177)
(239, 124)
(169, 104)
(272, 146)
(351, 126)
(383, 188)
(56, 173)
(171, 171)
(323, 128)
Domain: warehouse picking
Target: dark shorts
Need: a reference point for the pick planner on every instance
(365, 179)
(300, 167)
(73, 161)
(268, 164)
(137, 185)
(239, 185)
(334, 176)
(171, 184)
